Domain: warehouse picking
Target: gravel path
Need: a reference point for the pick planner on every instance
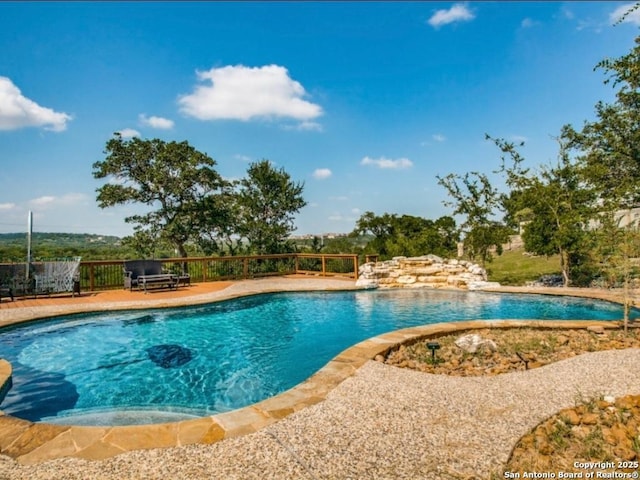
(381, 423)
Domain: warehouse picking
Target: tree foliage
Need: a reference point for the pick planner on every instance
(610, 145)
(478, 202)
(267, 200)
(609, 149)
(555, 206)
(173, 178)
(407, 235)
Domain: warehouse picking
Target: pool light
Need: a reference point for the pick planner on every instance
(433, 346)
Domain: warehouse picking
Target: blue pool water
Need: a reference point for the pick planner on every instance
(168, 364)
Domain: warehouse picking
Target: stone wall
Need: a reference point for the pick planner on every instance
(429, 271)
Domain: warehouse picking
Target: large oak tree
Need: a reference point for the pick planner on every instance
(178, 183)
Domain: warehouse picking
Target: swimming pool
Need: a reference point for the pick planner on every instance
(152, 366)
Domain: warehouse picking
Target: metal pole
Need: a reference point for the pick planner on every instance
(29, 232)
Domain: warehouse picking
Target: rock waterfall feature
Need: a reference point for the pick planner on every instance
(428, 271)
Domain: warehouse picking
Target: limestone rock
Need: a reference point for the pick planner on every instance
(596, 329)
(427, 271)
(406, 279)
(363, 282)
(571, 417)
(590, 419)
(473, 342)
(431, 270)
(482, 285)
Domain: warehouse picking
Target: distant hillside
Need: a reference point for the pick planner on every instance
(60, 239)
(13, 246)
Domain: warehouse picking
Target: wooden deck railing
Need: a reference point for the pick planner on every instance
(108, 274)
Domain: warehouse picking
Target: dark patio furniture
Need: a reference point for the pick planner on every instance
(6, 281)
(146, 273)
(13, 281)
(184, 279)
(164, 279)
(137, 268)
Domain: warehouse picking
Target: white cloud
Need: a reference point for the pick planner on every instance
(438, 137)
(633, 17)
(528, 23)
(68, 199)
(242, 158)
(72, 198)
(566, 13)
(339, 198)
(387, 163)
(305, 126)
(129, 133)
(321, 173)
(244, 93)
(17, 111)
(338, 217)
(156, 122)
(40, 201)
(457, 13)
(7, 206)
(355, 211)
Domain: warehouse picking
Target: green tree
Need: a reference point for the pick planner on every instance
(218, 228)
(610, 145)
(342, 245)
(173, 178)
(473, 197)
(407, 235)
(557, 207)
(143, 243)
(267, 201)
(609, 148)
(381, 227)
(316, 244)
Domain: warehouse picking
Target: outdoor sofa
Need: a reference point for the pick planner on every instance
(147, 273)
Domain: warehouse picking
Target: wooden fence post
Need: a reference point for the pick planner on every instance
(92, 277)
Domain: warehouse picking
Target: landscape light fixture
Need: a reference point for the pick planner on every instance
(433, 346)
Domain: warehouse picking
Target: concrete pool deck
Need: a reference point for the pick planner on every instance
(31, 443)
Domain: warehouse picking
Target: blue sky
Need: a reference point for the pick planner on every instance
(363, 102)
